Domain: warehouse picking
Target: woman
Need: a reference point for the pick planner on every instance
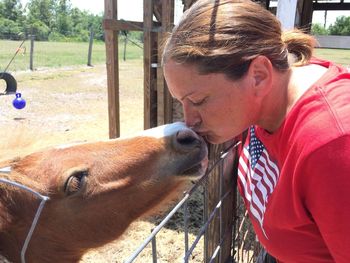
(233, 69)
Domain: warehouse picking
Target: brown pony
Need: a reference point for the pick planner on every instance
(93, 190)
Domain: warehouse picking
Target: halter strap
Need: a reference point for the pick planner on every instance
(38, 211)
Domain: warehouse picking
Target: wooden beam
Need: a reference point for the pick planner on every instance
(295, 13)
(165, 101)
(150, 66)
(111, 41)
(211, 198)
(118, 25)
(217, 235)
(331, 6)
(305, 18)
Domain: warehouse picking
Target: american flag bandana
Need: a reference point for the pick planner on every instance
(258, 176)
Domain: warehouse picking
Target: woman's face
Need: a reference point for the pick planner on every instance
(216, 107)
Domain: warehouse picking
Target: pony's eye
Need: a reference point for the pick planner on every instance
(75, 182)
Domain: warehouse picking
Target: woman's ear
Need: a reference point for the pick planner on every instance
(261, 70)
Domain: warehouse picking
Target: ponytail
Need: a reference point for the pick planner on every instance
(300, 45)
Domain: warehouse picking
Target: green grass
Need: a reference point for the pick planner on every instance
(339, 56)
(62, 54)
(58, 54)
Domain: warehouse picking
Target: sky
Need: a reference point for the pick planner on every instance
(132, 10)
(127, 9)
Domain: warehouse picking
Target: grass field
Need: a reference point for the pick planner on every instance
(340, 56)
(58, 54)
(61, 54)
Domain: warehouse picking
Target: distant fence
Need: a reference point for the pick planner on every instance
(33, 54)
(243, 246)
(341, 42)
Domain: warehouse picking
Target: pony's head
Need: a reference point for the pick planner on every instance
(95, 190)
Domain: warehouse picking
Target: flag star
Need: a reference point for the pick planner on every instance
(255, 148)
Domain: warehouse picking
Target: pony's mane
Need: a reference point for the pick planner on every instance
(18, 143)
(21, 142)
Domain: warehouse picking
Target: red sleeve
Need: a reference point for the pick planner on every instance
(327, 178)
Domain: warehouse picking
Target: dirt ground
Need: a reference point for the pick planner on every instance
(70, 105)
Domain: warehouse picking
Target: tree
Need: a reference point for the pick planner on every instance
(11, 10)
(341, 26)
(10, 29)
(83, 21)
(63, 17)
(53, 20)
(95, 23)
(40, 30)
(40, 18)
(11, 19)
(318, 29)
(41, 10)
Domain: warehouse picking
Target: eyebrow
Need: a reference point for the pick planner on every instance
(189, 94)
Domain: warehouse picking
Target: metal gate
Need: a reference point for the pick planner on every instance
(243, 246)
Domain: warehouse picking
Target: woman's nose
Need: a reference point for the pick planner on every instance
(192, 117)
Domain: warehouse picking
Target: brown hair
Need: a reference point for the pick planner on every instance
(223, 36)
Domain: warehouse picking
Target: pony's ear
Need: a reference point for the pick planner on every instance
(5, 170)
(7, 166)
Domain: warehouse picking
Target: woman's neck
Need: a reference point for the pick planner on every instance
(275, 104)
(302, 79)
(286, 90)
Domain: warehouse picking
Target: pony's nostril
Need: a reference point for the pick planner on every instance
(187, 137)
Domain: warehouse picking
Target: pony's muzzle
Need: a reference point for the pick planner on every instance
(194, 148)
(186, 139)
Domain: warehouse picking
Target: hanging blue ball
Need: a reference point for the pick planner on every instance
(19, 103)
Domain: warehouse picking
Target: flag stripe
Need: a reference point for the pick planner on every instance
(257, 177)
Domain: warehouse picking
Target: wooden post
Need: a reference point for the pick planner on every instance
(90, 46)
(165, 101)
(286, 13)
(150, 66)
(111, 40)
(31, 66)
(295, 13)
(216, 233)
(305, 8)
(125, 43)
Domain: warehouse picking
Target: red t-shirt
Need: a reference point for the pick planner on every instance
(296, 181)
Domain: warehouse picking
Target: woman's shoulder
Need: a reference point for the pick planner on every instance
(325, 102)
(320, 116)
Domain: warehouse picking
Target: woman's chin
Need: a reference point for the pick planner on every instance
(215, 139)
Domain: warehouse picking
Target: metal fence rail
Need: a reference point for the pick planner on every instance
(247, 248)
(240, 243)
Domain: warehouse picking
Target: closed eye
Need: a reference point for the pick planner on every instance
(199, 102)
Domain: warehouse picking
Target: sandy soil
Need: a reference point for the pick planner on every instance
(70, 105)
